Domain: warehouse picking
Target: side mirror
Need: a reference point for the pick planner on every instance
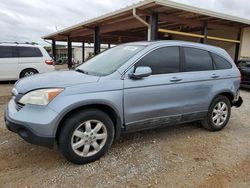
(141, 72)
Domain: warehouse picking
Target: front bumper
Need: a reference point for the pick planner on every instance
(28, 135)
(34, 126)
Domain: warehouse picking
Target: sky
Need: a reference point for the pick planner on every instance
(29, 20)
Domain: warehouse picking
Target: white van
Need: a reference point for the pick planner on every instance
(21, 60)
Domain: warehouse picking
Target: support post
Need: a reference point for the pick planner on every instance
(54, 50)
(97, 41)
(146, 28)
(237, 47)
(154, 26)
(204, 32)
(83, 51)
(108, 45)
(69, 53)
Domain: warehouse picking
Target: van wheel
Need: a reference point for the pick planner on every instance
(86, 136)
(218, 114)
(28, 72)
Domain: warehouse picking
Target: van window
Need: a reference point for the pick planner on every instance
(7, 52)
(162, 61)
(29, 52)
(220, 62)
(197, 60)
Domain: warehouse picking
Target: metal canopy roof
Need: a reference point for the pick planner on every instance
(120, 26)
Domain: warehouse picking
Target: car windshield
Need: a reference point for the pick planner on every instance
(109, 61)
(244, 64)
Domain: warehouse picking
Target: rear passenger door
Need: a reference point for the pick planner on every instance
(198, 80)
(8, 63)
(29, 57)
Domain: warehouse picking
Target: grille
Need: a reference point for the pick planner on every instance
(19, 106)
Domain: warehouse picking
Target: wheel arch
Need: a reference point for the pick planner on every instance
(228, 94)
(27, 68)
(110, 111)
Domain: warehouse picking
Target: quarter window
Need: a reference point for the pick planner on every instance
(29, 52)
(7, 52)
(220, 62)
(197, 60)
(162, 61)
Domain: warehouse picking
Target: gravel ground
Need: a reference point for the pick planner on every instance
(180, 156)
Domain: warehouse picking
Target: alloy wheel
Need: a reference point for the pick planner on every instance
(89, 138)
(220, 113)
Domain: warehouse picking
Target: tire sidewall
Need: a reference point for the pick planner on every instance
(72, 123)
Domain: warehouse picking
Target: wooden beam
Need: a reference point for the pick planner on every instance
(119, 26)
(197, 35)
(196, 23)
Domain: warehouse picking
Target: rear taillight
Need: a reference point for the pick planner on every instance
(49, 62)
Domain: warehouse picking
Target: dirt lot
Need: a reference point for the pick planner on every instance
(181, 156)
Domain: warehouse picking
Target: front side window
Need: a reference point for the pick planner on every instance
(162, 61)
(6, 52)
(197, 60)
(110, 60)
(29, 52)
(220, 62)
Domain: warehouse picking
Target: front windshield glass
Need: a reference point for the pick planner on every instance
(109, 61)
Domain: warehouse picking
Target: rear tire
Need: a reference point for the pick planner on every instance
(28, 72)
(218, 114)
(86, 136)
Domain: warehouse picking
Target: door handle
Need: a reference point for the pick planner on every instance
(175, 79)
(215, 76)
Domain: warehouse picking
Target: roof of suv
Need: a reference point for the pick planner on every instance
(177, 42)
(147, 43)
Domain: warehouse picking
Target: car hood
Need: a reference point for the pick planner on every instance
(53, 79)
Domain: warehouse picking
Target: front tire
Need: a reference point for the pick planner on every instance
(218, 114)
(86, 136)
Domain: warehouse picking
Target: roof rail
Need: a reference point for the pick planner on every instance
(18, 43)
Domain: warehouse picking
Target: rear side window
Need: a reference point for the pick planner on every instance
(7, 52)
(197, 60)
(29, 52)
(220, 62)
(162, 61)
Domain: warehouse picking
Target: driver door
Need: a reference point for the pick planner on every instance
(156, 99)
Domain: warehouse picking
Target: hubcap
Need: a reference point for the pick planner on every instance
(220, 113)
(89, 138)
(28, 73)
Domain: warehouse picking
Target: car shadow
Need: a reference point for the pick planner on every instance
(245, 89)
(7, 82)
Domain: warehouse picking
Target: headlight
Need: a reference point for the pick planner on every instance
(40, 96)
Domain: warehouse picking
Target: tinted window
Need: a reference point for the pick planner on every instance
(29, 52)
(244, 64)
(197, 60)
(220, 62)
(162, 61)
(6, 52)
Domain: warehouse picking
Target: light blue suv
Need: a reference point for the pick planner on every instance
(130, 87)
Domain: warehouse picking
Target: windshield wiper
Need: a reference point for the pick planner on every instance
(81, 71)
